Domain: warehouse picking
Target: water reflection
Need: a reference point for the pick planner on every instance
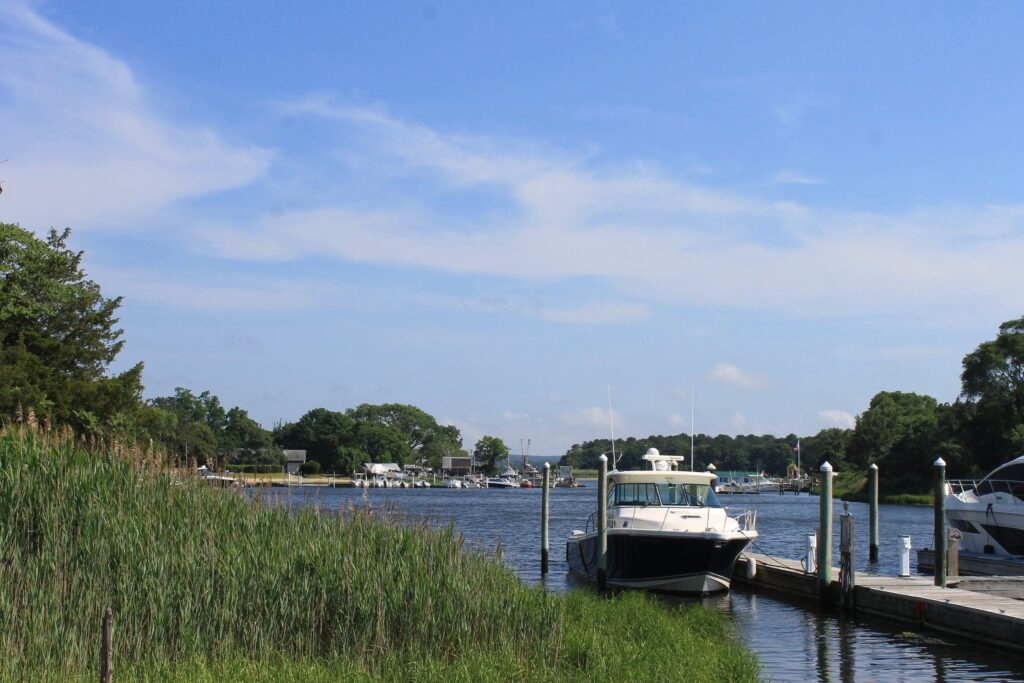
(792, 639)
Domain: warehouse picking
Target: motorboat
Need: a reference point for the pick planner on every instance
(666, 531)
(509, 479)
(989, 513)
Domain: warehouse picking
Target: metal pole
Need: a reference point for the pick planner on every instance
(940, 522)
(825, 532)
(544, 519)
(602, 521)
(873, 513)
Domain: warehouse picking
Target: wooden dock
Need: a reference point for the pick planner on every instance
(986, 617)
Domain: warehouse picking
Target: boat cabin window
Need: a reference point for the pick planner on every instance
(634, 494)
(693, 495)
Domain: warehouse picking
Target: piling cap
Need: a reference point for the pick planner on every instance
(603, 457)
(939, 462)
(873, 466)
(547, 466)
(825, 467)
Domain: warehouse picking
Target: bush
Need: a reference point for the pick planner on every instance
(308, 468)
(254, 469)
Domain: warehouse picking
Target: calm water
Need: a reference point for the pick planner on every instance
(793, 641)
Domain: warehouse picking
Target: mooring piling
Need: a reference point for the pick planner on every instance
(107, 648)
(602, 521)
(940, 522)
(546, 491)
(873, 513)
(825, 532)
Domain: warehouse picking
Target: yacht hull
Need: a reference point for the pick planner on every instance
(692, 563)
(987, 525)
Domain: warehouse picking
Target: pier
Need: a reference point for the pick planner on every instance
(988, 617)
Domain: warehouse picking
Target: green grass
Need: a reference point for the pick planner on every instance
(205, 585)
(853, 486)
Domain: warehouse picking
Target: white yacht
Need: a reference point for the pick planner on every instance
(989, 513)
(666, 531)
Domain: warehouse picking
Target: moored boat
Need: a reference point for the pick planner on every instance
(989, 513)
(666, 531)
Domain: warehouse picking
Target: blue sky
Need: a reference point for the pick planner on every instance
(496, 211)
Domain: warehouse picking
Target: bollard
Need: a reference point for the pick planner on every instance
(544, 519)
(810, 554)
(107, 648)
(602, 521)
(873, 513)
(904, 549)
(940, 522)
(825, 532)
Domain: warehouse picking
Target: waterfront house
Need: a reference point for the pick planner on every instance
(293, 460)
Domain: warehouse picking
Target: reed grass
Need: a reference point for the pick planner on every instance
(206, 584)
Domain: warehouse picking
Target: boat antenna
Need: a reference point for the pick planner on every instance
(691, 427)
(611, 426)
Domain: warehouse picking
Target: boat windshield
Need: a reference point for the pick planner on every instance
(692, 495)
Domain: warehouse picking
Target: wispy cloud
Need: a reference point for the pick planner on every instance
(91, 148)
(654, 237)
(794, 178)
(727, 373)
(838, 418)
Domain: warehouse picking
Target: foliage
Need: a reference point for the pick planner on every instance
(58, 335)
(390, 432)
(488, 452)
(208, 585)
(310, 467)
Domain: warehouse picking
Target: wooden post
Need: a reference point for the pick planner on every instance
(873, 513)
(602, 521)
(847, 576)
(825, 532)
(544, 519)
(107, 649)
(940, 522)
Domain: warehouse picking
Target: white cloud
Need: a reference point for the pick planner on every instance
(677, 420)
(838, 418)
(793, 178)
(510, 416)
(727, 373)
(91, 149)
(653, 237)
(738, 423)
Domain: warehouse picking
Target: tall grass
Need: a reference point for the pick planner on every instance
(203, 581)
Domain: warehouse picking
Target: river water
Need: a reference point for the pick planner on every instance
(793, 640)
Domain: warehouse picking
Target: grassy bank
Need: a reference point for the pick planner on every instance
(205, 585)
(853, 486)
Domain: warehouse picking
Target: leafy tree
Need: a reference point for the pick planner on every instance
(489, 451)
(992, 382)
(326, 436)
(58, 334)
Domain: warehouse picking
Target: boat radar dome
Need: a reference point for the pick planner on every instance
(653, 451)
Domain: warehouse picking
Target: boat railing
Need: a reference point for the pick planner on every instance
(747, 520)
(984, 487)
(591, 523)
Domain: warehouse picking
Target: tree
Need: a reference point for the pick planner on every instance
(326, 436)
(992, 382)
(58, 334)
(489, 451)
